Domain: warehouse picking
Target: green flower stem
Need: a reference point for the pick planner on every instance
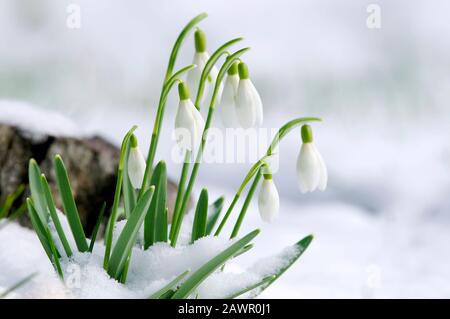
(203, 78)
(253, 170)
(115, 207)
(180, 192)
(227, 214)
(247, 201)
(169, 80)
(282, 132)
(157, 126)
(228, 62)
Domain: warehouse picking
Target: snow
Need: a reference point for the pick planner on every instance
(149, 270)
(37, 121)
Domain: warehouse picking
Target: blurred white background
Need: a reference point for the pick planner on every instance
(383, 226)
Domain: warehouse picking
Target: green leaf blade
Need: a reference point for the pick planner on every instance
(155, 224)
(117, 192)
(164, 290)
(39, 228)
(201, 213)
(216, 209)
(127, 237)
(97, 227)
(301, 246)
(251, 287)
(17, 285)
(208, 268)
(37, 193)
(10, 199)
(54, 215)
(70, 208)
(129, 193)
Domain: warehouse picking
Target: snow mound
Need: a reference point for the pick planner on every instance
(37, 120)
(149, 271)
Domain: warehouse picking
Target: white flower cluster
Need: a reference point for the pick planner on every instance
(240, 106)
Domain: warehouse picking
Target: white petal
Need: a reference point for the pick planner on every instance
(227, 103)
(308, 173)
(323, 172)
(199, 125)
(136, 167)
(185, 125)
(268, 201)
(246, 104)
(193, 76)
(259, 105)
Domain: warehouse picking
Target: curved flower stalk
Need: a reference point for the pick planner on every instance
(249, 108)
(184, 172)
(255, 172)
(227, 105)
(268, 199)
(311, 169)
(178, 218)
(169, 80)
(201, 57)
(189, 122)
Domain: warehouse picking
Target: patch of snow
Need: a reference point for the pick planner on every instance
(150, 270)
(37, 121)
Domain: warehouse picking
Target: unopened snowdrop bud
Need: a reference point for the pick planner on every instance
(311, 170)
(136, 164)
(249, 108)
(228, 100)
(201, 57)
(268, 199)
(189, 122)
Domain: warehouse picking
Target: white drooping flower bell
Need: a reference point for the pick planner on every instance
(201, 57)
(136, 164)
(189, 122)
(311, 169)
(227, 104)
(249, 108)
(268, 199)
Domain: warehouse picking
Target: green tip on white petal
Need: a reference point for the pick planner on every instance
(243, 71)
(133, 141)
(183, 91)
(233, 69)
(200, 40)
(267, 173)
(307, 135)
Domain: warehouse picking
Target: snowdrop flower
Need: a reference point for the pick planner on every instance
(201, 57)
(249, 107)
(189, 123)
(268, 199)
(227, 104)
(136, 164)
(311, 170)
